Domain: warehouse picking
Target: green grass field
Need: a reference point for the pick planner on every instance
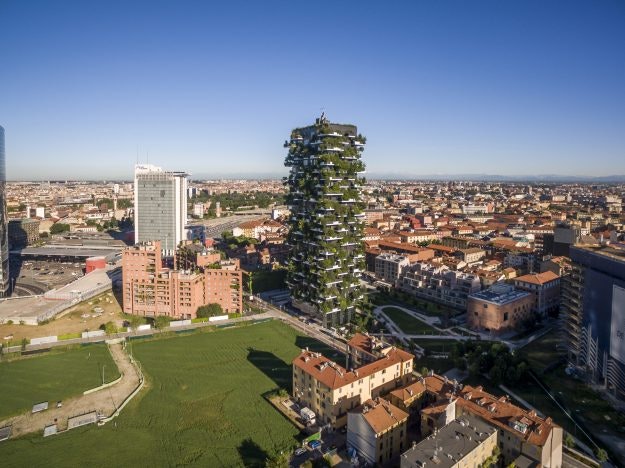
(408, 323)
(53, 377)
(204, 406)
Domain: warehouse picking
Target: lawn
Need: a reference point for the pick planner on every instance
(436, 345)
(203, 406)
(542, 352)
(407, 323)
(53, 377)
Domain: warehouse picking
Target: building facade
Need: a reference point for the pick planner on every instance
(499, 309)
(439, 284)
(4, 237)
(593, 309)
(389, 266)
(160, 206)
(331, 391)
(326, 221)
(151, 290)
(544, 288)
(23, 232)
(377, 431)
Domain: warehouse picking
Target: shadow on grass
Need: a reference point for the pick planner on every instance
(272, 366)
(252, 454)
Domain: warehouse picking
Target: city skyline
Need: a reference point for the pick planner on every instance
(440, 89)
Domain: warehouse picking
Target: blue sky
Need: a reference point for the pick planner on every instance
(498, 87)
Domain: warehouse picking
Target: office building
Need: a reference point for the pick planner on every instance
(23, 232)
(326, 222)
(150, 289)
(499, 309)
(4, 237)
(160, 206)
(593, 310)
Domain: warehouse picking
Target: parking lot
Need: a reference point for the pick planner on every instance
(31, 275)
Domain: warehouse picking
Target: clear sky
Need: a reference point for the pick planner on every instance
(213, 88)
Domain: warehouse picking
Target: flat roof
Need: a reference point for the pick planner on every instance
(60, 251)
(450, 444)
(499, 298)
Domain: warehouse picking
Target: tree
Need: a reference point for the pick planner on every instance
(601, 454)
(24, 343)
(110, 328)
(135, 321)
(58, 228)
(162, 321)
(569, 441)
(424, 371)
(209, 310)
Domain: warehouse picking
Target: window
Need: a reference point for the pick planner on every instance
(505, 316)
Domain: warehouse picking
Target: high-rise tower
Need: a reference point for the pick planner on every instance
(160, 206)
(4, 239)
(326, 223)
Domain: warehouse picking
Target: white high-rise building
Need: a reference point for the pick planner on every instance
(160, 206)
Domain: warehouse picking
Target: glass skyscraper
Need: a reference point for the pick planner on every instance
(4, 240)
(160, 206)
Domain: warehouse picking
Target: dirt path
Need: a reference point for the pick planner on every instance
(104, 401)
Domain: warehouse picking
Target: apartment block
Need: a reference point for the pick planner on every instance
(545, 290)
(499, 308)
(388, 267)
(439, 284)
(593, 310)
(464, 442)
(377, 430)
(151, 290)
(326, 222)
(331, 391)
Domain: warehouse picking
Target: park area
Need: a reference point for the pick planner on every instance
(53, 377)
(204, 405)
(409, 324)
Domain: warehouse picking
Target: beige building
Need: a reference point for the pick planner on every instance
(389, 266)
(499, 308)
(377, 430)
(331, 391)
(545, 290)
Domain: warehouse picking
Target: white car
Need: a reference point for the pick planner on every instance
(300, 451)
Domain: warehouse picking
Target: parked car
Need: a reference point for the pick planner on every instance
(314, 444)
(300, 451)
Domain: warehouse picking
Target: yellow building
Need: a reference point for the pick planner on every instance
(377, 430)
(331, 391)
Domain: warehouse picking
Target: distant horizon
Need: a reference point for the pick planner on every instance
(436, 87)
(541, 178)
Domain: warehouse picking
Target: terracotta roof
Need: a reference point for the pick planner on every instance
(381, 415)
(432, 383)
(538, 278)
(335, 376)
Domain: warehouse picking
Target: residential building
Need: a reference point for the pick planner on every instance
(198, 210)
(149, 289)
(439, 284)
(521, 433)
(4, 237)
(593, 309)
(388, 267)
(471, 255)
(326, 228)
(499, 308)
(160, 206)
(377, 431)
(465, 442)
(331, 391)
(23, 232)
(544, 288)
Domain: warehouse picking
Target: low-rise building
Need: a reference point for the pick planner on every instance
(544, 288)
(331, 391)
(471, 255)
(464, 442)
(499, 308)
(389, 266)
(439, 284)
(377, 431)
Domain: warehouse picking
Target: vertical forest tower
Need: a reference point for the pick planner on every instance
(326, 222)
